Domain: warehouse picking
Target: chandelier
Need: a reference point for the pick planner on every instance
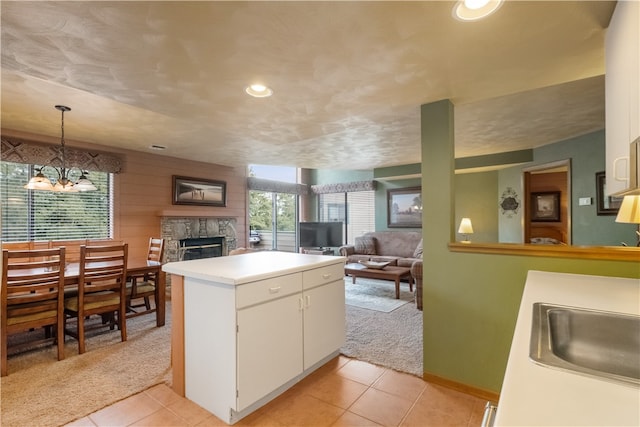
(63, 183)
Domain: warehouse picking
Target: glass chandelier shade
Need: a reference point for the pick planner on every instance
(63, 183)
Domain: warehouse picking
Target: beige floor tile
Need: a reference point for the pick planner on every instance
(362, 372)
(126, 411)
(400, 384)
(163, 394)
(349, 419)
(212, 421)
(381, 407)
(302, 410)
(82, 422)
(477, 412)
(190, 411)
(161, 418)
(336, 390)
(441, 407)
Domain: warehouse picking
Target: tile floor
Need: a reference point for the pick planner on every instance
(344, 392)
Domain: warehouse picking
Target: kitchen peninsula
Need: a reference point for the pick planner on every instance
(245, 328)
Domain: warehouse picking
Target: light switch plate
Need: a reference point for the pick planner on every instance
(584, 201)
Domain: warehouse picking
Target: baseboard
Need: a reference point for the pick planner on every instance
(464, 388)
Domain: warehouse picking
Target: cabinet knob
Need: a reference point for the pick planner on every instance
(326, 276)
(275, 289)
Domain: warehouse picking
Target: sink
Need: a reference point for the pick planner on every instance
(596, 343)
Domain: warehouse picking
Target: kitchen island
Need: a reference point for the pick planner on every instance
(535, 395)
(245, 328)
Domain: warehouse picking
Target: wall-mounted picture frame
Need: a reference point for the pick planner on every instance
(545, 206)
(199, 192)
(404, 207)
(605, 205)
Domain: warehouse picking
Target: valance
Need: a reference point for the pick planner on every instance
(344, 187)
(260, 184)
(21, 151)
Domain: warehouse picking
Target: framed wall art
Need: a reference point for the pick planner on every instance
(404, 207)
(545, 206)
(605, 205)
(199, 192)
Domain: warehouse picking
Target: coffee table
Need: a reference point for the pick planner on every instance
(390, 272)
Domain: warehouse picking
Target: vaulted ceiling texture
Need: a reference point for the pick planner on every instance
(348, 77)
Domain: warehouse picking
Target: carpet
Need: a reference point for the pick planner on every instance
(390, 339)
(42, 391)
(375, 294)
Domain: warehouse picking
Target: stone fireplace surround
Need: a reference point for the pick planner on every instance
(175, 228)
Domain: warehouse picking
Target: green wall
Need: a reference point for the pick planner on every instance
(386, 178)
(382, 201)
(476, 198)
(471, 300)
(587, 156)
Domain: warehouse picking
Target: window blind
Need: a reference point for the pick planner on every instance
(356, 209)
(43, 215)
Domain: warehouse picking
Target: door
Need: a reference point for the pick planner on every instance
(548, 182)
(324, 321)
(269, 347)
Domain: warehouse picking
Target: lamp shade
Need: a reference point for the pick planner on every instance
(629, 210)
(465, 226)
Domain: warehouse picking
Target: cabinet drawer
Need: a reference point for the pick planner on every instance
(322, 275)
(268, 289)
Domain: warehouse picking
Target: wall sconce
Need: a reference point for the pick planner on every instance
(465, 229)
(630, 212)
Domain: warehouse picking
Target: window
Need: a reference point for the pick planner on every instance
(357, 209)
(273, 207)
(29, 215)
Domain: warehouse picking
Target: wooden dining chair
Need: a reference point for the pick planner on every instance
(32, 296)
(101, 290)
(143, 287)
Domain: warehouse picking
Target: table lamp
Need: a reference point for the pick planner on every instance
(629, 212)
(465, 229)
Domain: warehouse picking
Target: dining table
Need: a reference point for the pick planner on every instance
(135, 267)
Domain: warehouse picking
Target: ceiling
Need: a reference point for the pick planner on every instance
(348, 77)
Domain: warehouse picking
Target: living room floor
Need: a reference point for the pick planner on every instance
(343, 392)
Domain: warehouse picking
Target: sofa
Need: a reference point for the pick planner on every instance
(401, 248)
(416, 273)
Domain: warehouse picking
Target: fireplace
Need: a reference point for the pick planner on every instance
(201, 247)
(188, 234)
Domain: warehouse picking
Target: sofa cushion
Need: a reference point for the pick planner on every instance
(365, 245)
(407, 262)
(418, 252)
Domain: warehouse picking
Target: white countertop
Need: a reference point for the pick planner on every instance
(534, 395)
(249, 267)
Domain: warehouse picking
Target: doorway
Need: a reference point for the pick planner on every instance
(547, 214)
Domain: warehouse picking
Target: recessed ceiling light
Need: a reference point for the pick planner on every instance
(259, 91)
(472, 10)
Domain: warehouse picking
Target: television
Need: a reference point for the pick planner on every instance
(320, 234)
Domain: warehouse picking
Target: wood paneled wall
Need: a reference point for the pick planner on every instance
(143, 192)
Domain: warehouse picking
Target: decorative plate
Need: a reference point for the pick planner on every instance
(374, 264)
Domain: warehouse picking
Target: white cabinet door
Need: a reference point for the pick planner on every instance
(622, 96)
(269, 347)
(324, 321)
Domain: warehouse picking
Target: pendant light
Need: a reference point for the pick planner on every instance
(63, 183)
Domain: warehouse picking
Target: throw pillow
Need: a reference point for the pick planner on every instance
(418, 252)
(365, 245)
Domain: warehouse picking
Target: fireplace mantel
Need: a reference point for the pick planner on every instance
(188, 213)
